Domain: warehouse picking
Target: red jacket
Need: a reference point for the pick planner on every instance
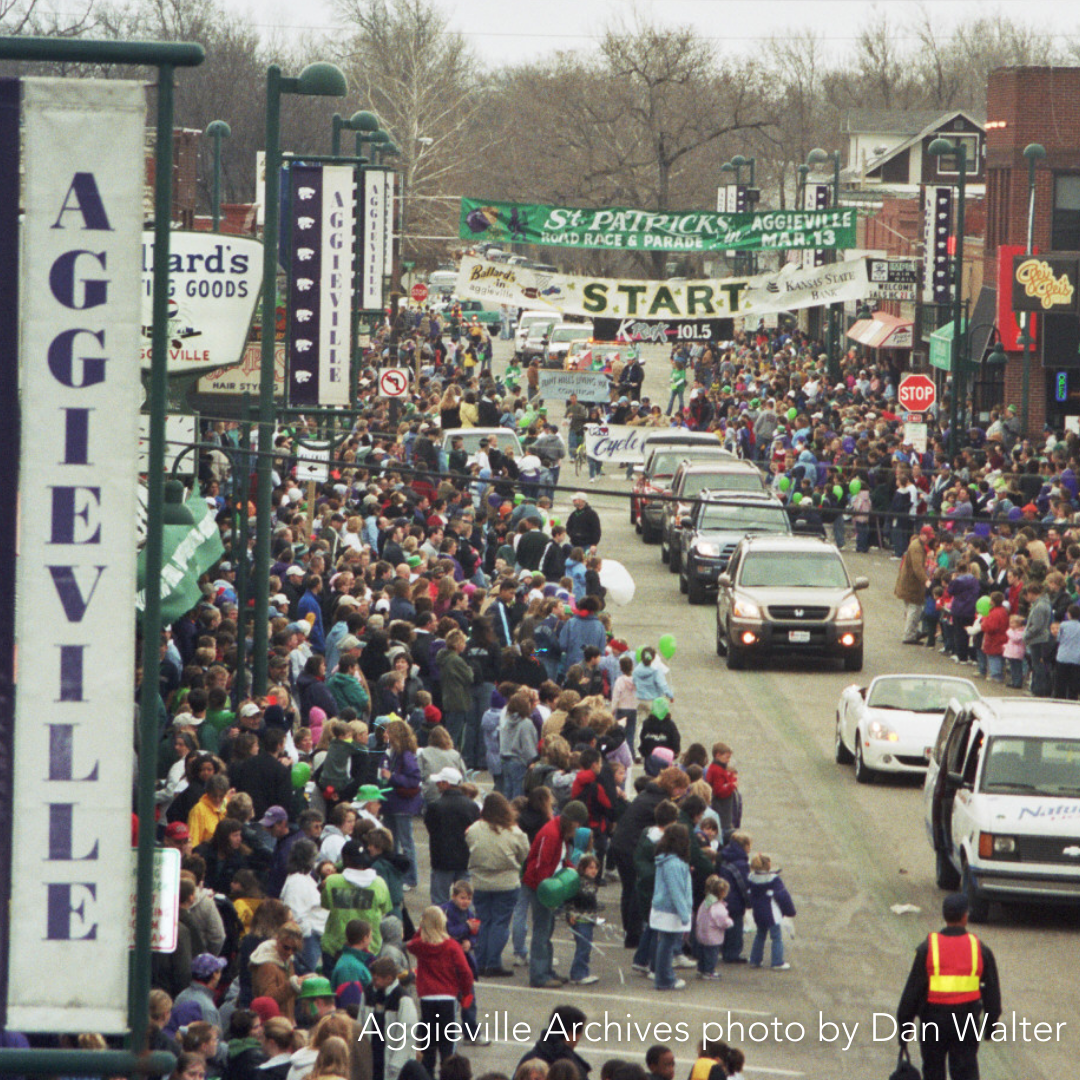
(589, 787)
(995, 624)
(722, 780)
(442, 970)
(547, 855)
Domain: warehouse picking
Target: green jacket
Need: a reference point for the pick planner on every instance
(348, 693)
(457, 678)
(350, 967)
(353, 894)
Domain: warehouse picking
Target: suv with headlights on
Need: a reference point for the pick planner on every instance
(788, 594)
(713, 529)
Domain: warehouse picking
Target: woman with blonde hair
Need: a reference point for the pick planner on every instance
(273, 969)
(443, 977)
(439, 754)
(338, 1025)
(332, 1060)
(401, 772)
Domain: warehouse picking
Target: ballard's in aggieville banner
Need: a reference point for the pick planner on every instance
(647, 230)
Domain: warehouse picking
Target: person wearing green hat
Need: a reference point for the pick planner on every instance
(315, 1000)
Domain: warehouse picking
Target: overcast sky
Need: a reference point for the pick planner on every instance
(510, 32)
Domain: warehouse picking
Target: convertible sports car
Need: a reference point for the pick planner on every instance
(891, 725)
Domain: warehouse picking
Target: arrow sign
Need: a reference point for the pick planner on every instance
(394, 382)
(314, 464)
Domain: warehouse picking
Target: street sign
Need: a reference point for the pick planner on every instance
(314, 464)
(916, 393)
(394, 382)
(894, 279)
(419, 292)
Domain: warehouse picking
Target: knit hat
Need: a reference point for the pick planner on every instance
(576, 811)
(432, 714)
(266, 1008)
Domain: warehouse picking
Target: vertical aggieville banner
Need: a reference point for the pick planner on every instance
(335, 324)
(305, 283)
(75, 620)
(373, 244)
(388, 235)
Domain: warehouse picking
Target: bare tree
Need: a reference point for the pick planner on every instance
(33, 17)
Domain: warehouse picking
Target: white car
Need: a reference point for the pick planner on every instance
(891, 725)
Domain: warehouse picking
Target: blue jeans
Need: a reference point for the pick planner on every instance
(733, 939)
(757, 950)
(707, 958)
(541, 969)
(676, 394)
(494, 909)
(668, 943)
(473, 752)
(838, 530)
(440, 1014)
(862, 536)
(442, 881)
(996, 667)
(645, 956)
(513, 778)
(311, 952)
(1016, 673)
(455, 727)
(596, 468)
(520, 924)
(583, 932)
(400, 826)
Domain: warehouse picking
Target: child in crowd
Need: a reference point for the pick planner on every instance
(624, 699)
(386, 1001)
(769, 900)
(582, 916)
(711, 923)
(708, 834)
(463, 926)
(1014, 651)
(931, 615)
(724, 782)
(352, 971)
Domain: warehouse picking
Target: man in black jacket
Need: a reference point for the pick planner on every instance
(446, 820)
(583, 524)
(561, 1034)
(263, 776)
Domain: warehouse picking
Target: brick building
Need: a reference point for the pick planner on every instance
(1035, 105)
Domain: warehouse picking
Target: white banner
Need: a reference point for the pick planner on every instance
(213, 289)
(388, 235)
(373, 251)
(707, 298)
(588, 385)
(335, 316)
(84, 174)
(615, 442)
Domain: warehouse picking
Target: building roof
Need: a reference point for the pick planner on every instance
(905, 122)
(931, 128)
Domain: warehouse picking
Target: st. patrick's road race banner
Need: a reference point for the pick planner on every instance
(620, 229)
(630, 301)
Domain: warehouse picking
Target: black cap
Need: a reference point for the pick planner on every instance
(954, 907)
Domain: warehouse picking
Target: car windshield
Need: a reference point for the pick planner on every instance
(919, 695)
(772, 519)
(471, 441)
(665, 462)
(529, 321)
(1049, 767)
(695, 483)
(571, 333)
(793, 570)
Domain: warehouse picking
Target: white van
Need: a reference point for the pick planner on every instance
(1001, 801)
(530, 319)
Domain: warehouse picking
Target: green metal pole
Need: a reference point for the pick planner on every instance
(150, 697)
(955, 359)
(216, 207)
(84, 1062)
(338, 122)
(263, 509)
(833, 363)
(242, 577)
(1025, 385)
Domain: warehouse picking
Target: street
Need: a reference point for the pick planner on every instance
(847, 853)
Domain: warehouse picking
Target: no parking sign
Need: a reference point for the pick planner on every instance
(394, 382)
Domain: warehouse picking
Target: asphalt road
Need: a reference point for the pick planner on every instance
(847, 854)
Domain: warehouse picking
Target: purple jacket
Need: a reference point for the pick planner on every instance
(404, 775)
(965, 593)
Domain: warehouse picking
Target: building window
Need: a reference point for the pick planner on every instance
(947, 166)
(1065, 228)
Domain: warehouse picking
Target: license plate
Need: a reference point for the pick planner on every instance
(799, 637)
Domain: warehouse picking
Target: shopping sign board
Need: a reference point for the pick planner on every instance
(894, 279)
(620, 229)
(213, 291)
(916, 393)
(1045, 283)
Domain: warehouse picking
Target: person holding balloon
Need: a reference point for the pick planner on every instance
(995, 628)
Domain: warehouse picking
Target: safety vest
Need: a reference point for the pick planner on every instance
(955, 967)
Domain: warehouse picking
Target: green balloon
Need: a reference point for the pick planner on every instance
(838, 491)
(792, 413)
(666, 647)
(660, 708)
(983, 605)
(855, 487)
(301, 774)
(519, 499)
(797, 498)
(637, 654)
(785, 483)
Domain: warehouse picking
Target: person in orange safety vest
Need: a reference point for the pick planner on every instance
(953, 981)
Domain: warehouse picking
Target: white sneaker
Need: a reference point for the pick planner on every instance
(520, 961)
(554, 961)
(680, 984)
(587, 981)
(684, 962)
(640, 969)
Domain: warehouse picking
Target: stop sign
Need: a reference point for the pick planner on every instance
(916, 393)
(419, 292)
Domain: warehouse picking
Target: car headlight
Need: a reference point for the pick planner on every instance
(849, 610)
(882, 732)
(746, 609)
(703, 548)
(992, 846)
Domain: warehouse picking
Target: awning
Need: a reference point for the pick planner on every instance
(882, 331)
(941, 346)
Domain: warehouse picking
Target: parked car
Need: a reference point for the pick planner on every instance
(788, 594)
(690, 479)
(559, 341)
(891, 725)
(443, 280)
(715, 525)
(652, 480)
(504, 439)
(490, 319)
(1001, 802)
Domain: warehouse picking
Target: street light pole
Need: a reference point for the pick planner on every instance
(318, 80)
(816, 157)
(217, 130)
(944, 148)
(1034, 153)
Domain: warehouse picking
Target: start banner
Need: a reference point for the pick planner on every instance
(631, 301)
(619, 229)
